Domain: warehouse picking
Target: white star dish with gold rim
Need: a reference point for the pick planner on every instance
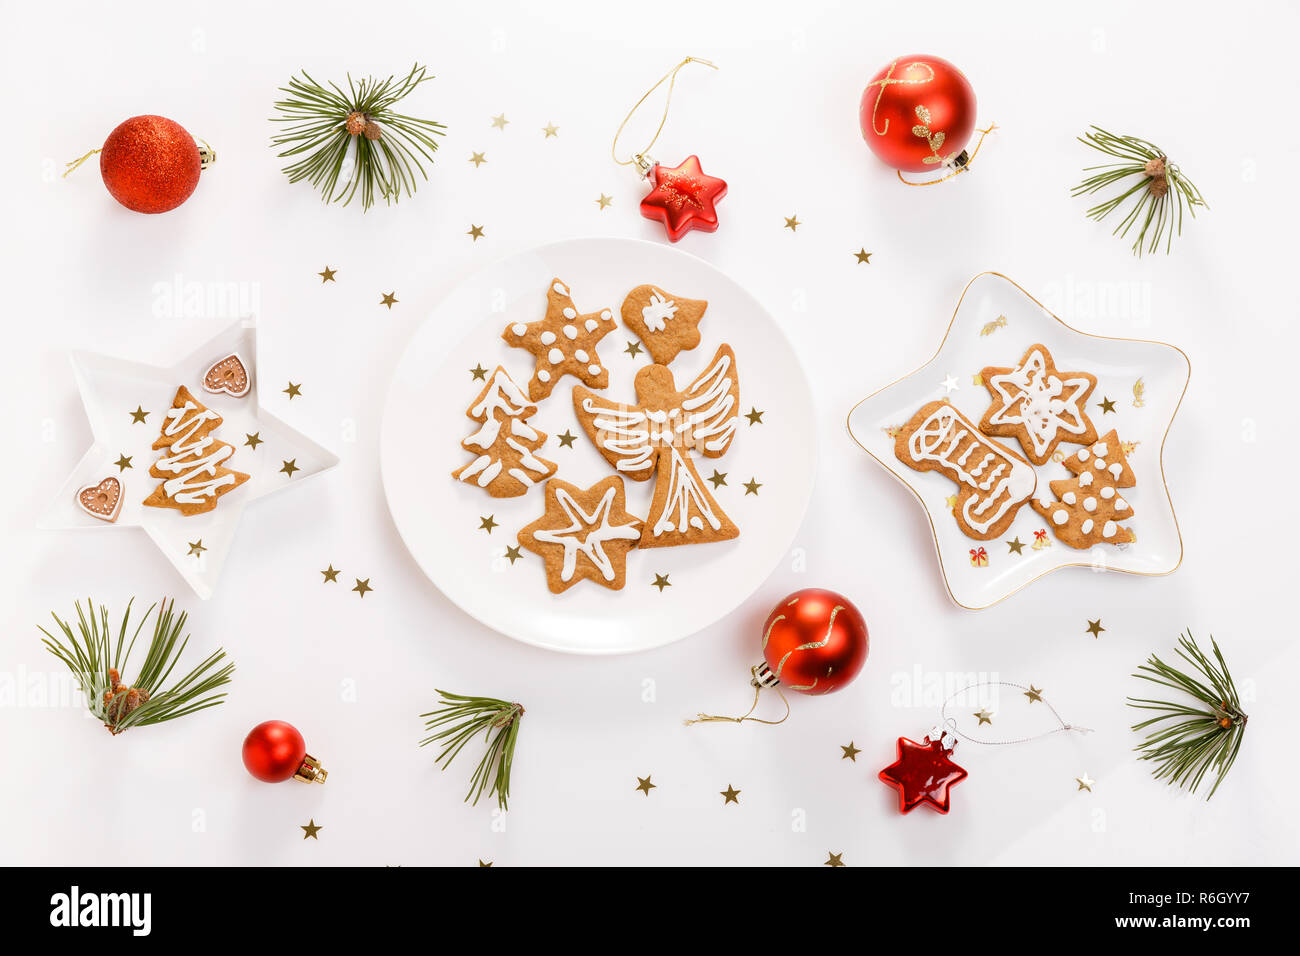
(995, 322)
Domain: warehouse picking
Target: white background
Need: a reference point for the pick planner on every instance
(779, 122)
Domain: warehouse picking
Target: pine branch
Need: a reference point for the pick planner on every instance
(97, 661)
(1209, 736)
(462, 719)
(1162, 192)
(356, 137)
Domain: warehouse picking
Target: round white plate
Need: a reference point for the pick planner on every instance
(440, 518)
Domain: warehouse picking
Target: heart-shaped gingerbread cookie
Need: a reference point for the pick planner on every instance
(102, 501)
(228, 376)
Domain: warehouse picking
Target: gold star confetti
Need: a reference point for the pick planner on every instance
(253, 440)
(1034, 694)
(850, 752)
(513, 554)
(863, 255)
(479, 372)
(644, 785)
(290, 467)
(1015, 546)
(755, 416)
(362, 586)
(730, 795)
(566, 439)
(792, 223)
(488, 523)
(327, 275)
(478, 159)
(138, 416)
(330, 574)
(983, 716)
(1139, 393)
(293, 391)
(752, 486)
(988, 328)
(604, 201)
(977, 379)
(475, 232)
(661, 581)
(550, 129)
(833, 859)
(719, 478)
(123, 462)
(1094, 628)
(1106, 405)
(389, 300)
(499, 122)
(1085, 782)
(196, 547)
(311, 829)
(484, 865)
(633, 349)
(950, 501)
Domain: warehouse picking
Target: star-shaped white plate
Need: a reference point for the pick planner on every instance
(995, 323)
(112, 389)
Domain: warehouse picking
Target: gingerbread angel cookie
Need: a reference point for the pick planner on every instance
(658, 437)
(1089, 507)
(562, 343)
(1039, 405)
(992, 481)
(504, 464)
(193, 468)
(584, 535)
(666, 323)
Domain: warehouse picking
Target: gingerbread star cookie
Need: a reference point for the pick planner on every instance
(504, 464)
(1088, 507)
(666, 323)
(562, 343)
(1038, 404)
(584, 534)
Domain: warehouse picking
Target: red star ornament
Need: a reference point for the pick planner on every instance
(923, 773)
(683, 198)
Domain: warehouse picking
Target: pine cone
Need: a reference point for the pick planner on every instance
(1155, 168)
(372, 130)
(356, 122)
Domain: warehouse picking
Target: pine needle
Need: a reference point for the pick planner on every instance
(462, 719)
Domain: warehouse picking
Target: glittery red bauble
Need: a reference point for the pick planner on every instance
(273, 751)
(150, 164)
(917, 112)
(814, 641)
(683, 198)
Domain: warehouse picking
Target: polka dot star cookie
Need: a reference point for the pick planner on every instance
(562, 343)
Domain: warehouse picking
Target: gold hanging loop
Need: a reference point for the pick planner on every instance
(638, 158)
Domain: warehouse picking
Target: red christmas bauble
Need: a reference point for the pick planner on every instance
(814, 641)
(150, 164)
(275, 751)
(918, 113)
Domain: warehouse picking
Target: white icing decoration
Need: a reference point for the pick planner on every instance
(519, 328)
(1059, 516)
(1116, 470)
(543, 375)
(658, 312)
(190, 459)
(591, 325)
(580, 355)
(1121, 504)
(1100, 449)
(1086, 527)
(555, 356)
(1108, 529)
(559, 287)
(607, 315)
(1108, 492)
(1068, 497)
(593, 369)
(570, 332)
(587, 534)
(1089, 504)
(1084, 455)
(1037, 400)
(1085, 479)
(548, 337)
(570, 313)
(685, 494)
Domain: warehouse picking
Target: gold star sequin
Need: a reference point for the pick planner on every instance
(633, 349)
(327, 275)
(479, 373)
(863, 255)
(513, 554)
(138, 416)
(833, 859)
(1094, 628)
(661, 581)
(566, 439)
(293, 391)
(983, 716)
(550, 129)
(488, 523)
(950, 501)
(389, 300)
(330, 574)
(1085, 782)
(604, 201)
(1106, 405)
(730, 795)
(290, 467)
(123, 462)
(1034, 694)
(485, 865)
(644, 785)
(253, 440)
(362, 586)
(478, 159)
(475, 232)
(792, 223)
(719, 478)
(755, 416)
(752, 486)
(499, 122)
(311, 829)
(1015, 546)
(196, 547)
(850, 752)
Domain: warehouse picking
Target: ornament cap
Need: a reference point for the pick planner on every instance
(311, 771)
(763, 676)
(207, 155)
(644, 164)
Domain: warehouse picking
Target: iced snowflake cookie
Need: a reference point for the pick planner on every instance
(562, 343)
(584, 535)
(193, 467)
(1089, 507)
(1037, 404)
(658, 436)
(504, 464)
(993, 482)
(666, 323)
(102, 500)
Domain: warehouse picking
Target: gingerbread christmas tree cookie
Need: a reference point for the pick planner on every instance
(504, 464)
(666, 323)
(584, 535)
(562, 343)
(1039, 405)
(193, 467)
(1089, 507)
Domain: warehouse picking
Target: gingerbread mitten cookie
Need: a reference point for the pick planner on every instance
(666, 323)
(1037, 404)
(1089, 507)
(562, 343)
(584, 534)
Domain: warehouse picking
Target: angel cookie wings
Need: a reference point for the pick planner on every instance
(659, 435)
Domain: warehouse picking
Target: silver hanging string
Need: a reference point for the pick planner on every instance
(949, 724)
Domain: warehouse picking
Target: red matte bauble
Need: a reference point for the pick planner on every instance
(150, 164)
(917, 113)
(273, 751)
(815, 641)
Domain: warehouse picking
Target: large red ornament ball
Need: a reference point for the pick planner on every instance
(917, 113)
(150, 164)
(815, 641)
(273, 751)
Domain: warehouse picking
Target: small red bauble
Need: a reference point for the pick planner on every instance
(150, 164)
(275, 751)
(683, 198)
(918, 113)
(814, 641)
(922, 774)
